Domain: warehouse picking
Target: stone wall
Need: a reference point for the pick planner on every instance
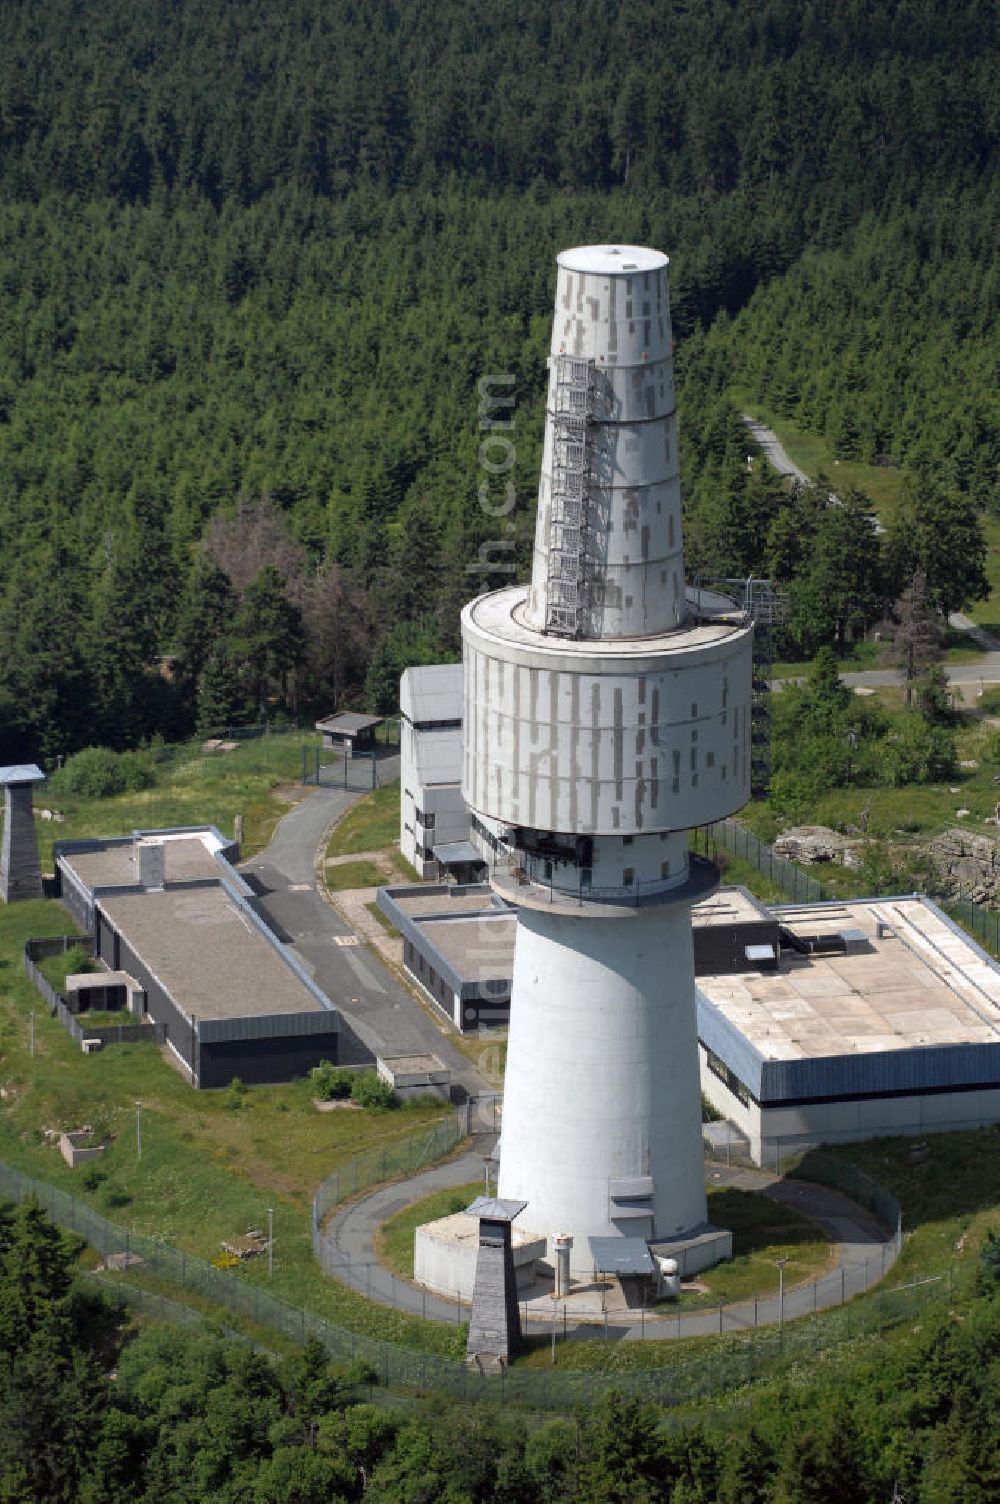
(967, 863)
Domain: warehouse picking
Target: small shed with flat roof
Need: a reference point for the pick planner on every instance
(349, 732)
(20, 869)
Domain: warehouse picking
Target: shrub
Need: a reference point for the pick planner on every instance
(988, 1273)
(99, 772)
(329, 1083)
(117, 1195)
(55, 969)
(236, 1094)
(369, 1090)
(709, 1112)
(93, 1177)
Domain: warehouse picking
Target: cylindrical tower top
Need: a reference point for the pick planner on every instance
(608, 559)
(612, 260)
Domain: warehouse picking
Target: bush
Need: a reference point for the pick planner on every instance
(369, 1090)
(117, 1195)
(55, 969)
(236, 1094)
(914, 752)
(93, 1177)
(988, 1273)
(329, 1083)
(98, 773)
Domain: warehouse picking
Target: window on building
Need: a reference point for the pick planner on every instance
(728, 1077)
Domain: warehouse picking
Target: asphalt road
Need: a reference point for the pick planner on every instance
(378, 1015)
(771, 448)
(986, 669)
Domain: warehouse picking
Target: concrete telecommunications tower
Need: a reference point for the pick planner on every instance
(604, 718)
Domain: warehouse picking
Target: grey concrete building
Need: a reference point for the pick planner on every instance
(458, 946)
(817, 1024)
(873, 1017)
(433, 813)
(20, 870)
(168, 908)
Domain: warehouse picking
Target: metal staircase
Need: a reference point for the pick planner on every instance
(574, 397)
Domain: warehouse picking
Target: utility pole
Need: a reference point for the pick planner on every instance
(31, 1033)
(270, 1241)
(781, 1293)
(138, 1130)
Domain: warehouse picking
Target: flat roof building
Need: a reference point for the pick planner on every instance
(168, 908)
(458, 946)
(349, 732)
(433, 818)
(816, 1024)
(881, 1016)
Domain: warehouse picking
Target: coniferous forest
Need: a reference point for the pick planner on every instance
(255, 260)
(183, 1417)
(260, 266)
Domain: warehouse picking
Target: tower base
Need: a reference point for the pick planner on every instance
(602, 1114)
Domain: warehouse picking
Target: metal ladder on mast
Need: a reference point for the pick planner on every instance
(568, 502)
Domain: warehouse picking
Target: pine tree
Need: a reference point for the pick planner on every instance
(916, 644)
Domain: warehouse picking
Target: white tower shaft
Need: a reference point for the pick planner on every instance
(608, 558)
(600, 724)
(602, 1108)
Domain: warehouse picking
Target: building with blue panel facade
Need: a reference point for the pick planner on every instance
(867, 1018)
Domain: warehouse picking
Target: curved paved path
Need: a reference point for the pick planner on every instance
(862, 1254)
(987, 669)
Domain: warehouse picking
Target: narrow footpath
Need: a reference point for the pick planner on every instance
(862, 1253)
(985, 670)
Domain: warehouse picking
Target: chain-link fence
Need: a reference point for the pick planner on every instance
(979, 921)
(741, 842)
(840, 1175)
(747, 1355)
(731, 836)
(407, 1157)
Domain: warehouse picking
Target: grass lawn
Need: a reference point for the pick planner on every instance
(349, 875)
(377, 915)
(860, 655)
(813, 453)
(763, 1231)
(395, 1237)
(192, 788)
(949, 1201)
(209, 1168)
(370, 824)
(949, 1198)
